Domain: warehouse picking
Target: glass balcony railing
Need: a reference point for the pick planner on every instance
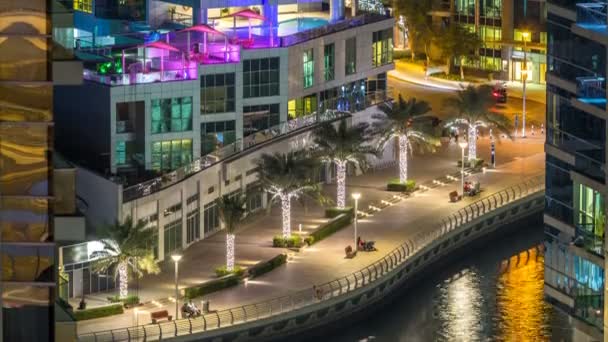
(592, 90)
(588, 303)
(124, 126)
(588, 239)
(241, 145)
(589, 156)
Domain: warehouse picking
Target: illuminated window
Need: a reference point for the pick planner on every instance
(172, 115)
(382, 47)
(329, 60)
(84, 5)
(350, 61)
(217, 93)
(518, 35)
(171, 154)
(308, 61)
(216, 135)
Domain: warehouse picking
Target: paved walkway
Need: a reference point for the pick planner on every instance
(414, 73)
(325, 260)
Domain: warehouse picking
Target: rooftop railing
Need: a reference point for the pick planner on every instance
(367, 276)
(154, 185)
(342, 25)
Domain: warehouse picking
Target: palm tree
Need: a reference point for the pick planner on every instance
(459, 42)
(473, 105)
(232, 211)
(287, 176)
(128, 249)
(406, 121)
(343, 145)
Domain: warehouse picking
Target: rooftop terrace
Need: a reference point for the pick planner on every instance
(148, 57)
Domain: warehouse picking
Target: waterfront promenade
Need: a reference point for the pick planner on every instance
(325, 261)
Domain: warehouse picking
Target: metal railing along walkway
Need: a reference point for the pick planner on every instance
(317, 295)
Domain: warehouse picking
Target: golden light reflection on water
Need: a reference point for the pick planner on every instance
(468, 311)
(520, 299)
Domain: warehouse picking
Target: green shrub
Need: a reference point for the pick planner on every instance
(329, 228)
(335, 211)
(401, 54)
(290, 242)
(267, 266)
(129, 301)
(222, 271)
(476, 164)
(212, 286)
(396, 185)
(102, 311)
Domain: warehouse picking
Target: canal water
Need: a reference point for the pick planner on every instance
(494, 293)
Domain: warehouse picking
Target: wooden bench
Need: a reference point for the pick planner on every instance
(350, 253)
(158, 315)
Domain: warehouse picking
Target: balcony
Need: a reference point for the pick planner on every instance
(587, 239)
(124, 126)
(592, 90)
(589, 154)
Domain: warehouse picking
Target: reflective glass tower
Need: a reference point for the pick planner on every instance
(27, 251)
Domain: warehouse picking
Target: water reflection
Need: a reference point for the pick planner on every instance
(494, 293)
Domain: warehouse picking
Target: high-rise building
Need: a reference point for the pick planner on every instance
(27, 250)
(575, 213)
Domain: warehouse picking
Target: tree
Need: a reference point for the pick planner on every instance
(128, 250)
(286, 176)
(232, 210)
(459, 42)
(472, 105)
(407, 121)
(343, 145)
(417, 23)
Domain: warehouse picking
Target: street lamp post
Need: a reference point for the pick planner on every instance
(356, 197)
(524, 76)
(176, 258)
(463, 144)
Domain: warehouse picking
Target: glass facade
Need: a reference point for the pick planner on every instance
(27, 249)
(171, 115)
(308, 68)
(217, 93)
(382, 45)
(302, 106)
(127, 114)
(329, 62)
(350, 53)
(173, 237)
(124, 152)
(84, 5)
(261, 117)
(193, 225)
(211, 218)
(171, 154)
(215, 135)
(261, 77)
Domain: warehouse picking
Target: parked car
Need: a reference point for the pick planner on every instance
(500, 93)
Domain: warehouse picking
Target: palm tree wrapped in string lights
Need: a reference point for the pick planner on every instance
(407, 121)
(127, 246)
(232, 210)
(286, 176)
(342, 145)
(473, 111)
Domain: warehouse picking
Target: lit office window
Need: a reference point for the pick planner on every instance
(84, 5)
(172, 115)
(329, 61)
(350, 61)
(382, 47)
(308, 65)
(171, 154)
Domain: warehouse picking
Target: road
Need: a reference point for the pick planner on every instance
(535, 111)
